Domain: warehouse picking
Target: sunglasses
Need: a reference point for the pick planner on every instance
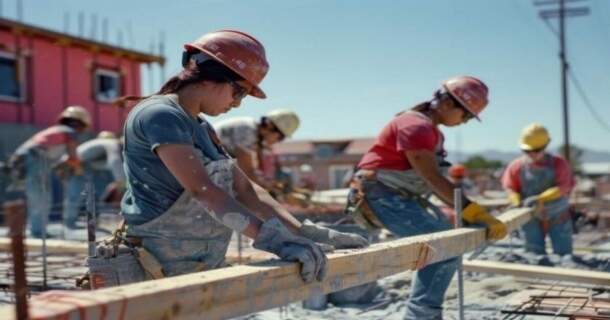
(466, 114)
(276, 130)
(239, 92)
(534, 150)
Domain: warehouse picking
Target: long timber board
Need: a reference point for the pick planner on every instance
(539, 272)
(245, 289)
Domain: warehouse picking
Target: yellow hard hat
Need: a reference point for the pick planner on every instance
(106, 135)
(285, 120)
(77, 113)
(534, 137)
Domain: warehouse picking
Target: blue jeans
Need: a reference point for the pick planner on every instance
(560, 231)
(38, 192)
(405, 217)
(73, 199)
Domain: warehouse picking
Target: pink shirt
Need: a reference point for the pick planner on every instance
(511, 179)
(409, 131)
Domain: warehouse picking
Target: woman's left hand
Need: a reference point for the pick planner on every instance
(339, 240)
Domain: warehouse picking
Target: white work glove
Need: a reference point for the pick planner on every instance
(530, 201)
(274, 237)
(339, 240)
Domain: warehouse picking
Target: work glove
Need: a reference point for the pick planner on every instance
(274, 237)
(339, 240)
(547, 195)
(514, 199)
(474, 213)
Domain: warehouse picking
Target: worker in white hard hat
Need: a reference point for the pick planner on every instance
(35, 159)
(98, 157)
(542, 180)
(249, 140)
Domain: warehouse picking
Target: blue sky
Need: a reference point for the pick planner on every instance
(348, 66)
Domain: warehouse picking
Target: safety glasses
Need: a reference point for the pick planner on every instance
(533, 150)
(466, 114)
(239, 92)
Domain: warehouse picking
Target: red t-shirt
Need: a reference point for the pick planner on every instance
(511, 179)
(406, 132)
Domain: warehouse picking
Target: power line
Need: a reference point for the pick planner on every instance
(581, 92)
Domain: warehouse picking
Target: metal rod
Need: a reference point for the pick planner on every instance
(15, 216)
(46, 181)
(457, 201)
(91, 217)
(564, 81)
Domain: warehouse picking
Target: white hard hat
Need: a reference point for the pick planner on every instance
(77, 113)
(106, 135)
(285, 120)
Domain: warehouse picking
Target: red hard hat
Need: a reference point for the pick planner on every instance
(457, 171)
(470, 92)
(239, 52)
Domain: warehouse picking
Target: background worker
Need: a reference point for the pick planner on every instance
(97, 156)
(185, 195)
(43, 152)
(249, 140)
(544, 181)
(458, 175)
(403, 166)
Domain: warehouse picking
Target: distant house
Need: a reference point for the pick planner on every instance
(596, 169)
(330, 160)
(43, 71)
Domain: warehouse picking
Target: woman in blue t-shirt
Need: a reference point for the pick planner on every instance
(184, 194)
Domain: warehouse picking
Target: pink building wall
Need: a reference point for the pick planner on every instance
(61, 75)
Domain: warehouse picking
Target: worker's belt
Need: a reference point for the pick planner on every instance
(149, 263)
(546, 223)
(358, 207)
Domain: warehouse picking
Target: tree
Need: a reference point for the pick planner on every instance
(479, 162)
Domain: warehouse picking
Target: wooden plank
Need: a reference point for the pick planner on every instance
(235, 291)
(53, 246)
(540, 272)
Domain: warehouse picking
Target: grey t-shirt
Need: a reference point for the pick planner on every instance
(151, 188)
(238, 132)
(102, 154)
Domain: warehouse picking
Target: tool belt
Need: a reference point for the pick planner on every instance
(546, 223)
(149, 263)
(357, 206)
(119, 260)
(360, 210)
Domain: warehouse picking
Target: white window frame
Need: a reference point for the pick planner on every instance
(108, 73)
(20, 62)
(332, 172)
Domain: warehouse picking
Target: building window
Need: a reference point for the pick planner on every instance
(323, 151)
(107, 85)
(11, 78)
(338, 175)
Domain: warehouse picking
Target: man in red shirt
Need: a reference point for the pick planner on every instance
(542, 180)
(403, 167)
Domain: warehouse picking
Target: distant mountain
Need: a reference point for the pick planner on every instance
(507, 156)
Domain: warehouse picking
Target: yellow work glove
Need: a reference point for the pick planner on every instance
(550, 194)
(514, 198)
(547, 195)
(474, 213)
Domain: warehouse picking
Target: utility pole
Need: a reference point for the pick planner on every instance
(562, 13)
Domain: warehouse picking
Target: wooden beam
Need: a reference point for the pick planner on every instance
(240, 290)
(53, 246)
(540, 272)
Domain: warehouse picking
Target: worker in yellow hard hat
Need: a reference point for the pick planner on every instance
(50, 148)
(249, 140)
(544, 181)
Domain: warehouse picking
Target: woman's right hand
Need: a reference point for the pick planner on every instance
(274, 237)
